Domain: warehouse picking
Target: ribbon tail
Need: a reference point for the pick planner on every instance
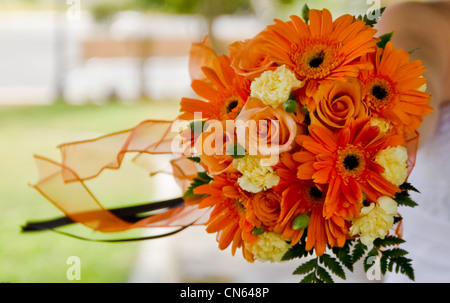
(130, 214)
(64, 184)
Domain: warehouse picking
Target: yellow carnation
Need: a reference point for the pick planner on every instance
(270, 246)
(393, 160)
(274, 87)
(255, 177)
(375, 220)
(383, 124)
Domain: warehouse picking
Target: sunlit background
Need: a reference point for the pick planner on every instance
(78, 69)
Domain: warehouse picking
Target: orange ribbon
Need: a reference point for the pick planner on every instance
(64, 184)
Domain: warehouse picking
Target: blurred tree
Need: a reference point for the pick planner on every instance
(103, 11)
(210, 9)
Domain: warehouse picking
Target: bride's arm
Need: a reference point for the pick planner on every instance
(425, 26)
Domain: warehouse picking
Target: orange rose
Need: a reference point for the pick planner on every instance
(337, 102)
(249, 59)
(211, 147)
(263, 130)
(264, 208)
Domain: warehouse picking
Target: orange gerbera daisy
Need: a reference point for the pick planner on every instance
(306, 197)
(224, 90)
(321, 50)
(391, 88)
(345, 161)
(227, 217)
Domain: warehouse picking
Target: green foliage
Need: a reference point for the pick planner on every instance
(203, 178)
(312, 269)
(413, 50)
(194, 159)
(369, 20)
(170, 6)
(323, 275)
(403, 197)
(344, 256)
(198, 126)
(388, 241)
(397, 219)
(305, 13)
(258, 231)
(320, 269)
(286, 2)
(306, 267)
(358, 251)
(311, 278)
(104, 11)
(394, 257)
(408, 186)
(332, 264)
(384, 39)
(371, 254)
(402, 265)
(297, 251)
(216, 7)
(315, 273)
(390, 259)
(236, 151)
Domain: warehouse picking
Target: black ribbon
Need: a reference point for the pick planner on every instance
(129, 214)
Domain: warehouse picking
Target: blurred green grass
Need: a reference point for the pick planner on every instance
(41, 256)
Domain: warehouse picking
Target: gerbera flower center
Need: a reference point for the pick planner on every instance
(313, 195)
(315, 59)
(379, 94)
(229, 105)
(350, 161)
(316, 193)
(239, 206)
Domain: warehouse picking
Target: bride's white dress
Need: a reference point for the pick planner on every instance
(427, 226)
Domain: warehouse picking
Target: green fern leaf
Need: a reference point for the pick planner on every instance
(369, 21)
(404, 199)
(370, 255)
(358, 251)
(343, 255)
(333, 265)
(296, 251)
(310, 278)
(408, 186)
(388, 241)
(202, 178)
(395, 252)
(323, 274)
(384, 39)
(306, 267)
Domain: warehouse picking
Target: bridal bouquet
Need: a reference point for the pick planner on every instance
(299, 146)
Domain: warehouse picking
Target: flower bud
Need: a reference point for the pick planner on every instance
(258, 230)
(300, 222)
(290, 106)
